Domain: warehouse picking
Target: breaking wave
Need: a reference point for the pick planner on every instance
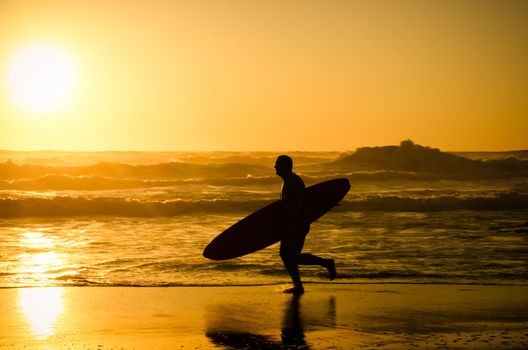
(497, 201)
(65, 182)
(97, 183)
(71, 206)
(81, 206)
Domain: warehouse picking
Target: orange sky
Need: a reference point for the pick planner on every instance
(274, 75)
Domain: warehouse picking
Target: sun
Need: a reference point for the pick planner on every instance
(41, 78)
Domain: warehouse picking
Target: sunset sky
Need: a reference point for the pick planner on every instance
(263, 75)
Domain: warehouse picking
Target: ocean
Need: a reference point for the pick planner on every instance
(144, 218)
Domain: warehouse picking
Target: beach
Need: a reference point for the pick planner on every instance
(327, 316)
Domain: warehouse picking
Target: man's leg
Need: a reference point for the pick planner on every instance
(290, 248)
(310, 259)
(289, 258)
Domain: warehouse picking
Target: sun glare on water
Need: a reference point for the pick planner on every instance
(41, 78)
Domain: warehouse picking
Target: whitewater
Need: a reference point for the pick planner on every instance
(143, 219)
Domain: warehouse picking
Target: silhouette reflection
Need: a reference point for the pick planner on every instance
(292, 328)
(234, 334)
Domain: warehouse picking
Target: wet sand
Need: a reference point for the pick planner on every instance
(332, 316)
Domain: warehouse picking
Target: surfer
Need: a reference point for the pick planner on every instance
(295, 227)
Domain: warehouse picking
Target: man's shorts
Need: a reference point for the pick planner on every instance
(293, 236)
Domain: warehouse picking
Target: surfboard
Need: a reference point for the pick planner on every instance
(262, 228)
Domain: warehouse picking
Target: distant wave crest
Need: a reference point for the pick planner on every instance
(164, 171)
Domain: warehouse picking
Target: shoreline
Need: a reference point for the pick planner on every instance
(282, 283)
(338, 316)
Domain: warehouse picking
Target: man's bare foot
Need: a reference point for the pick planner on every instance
(294, 290)
(331, 269)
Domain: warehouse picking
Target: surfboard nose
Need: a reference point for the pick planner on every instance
(211, 251)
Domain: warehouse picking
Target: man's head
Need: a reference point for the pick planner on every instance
(283, 165)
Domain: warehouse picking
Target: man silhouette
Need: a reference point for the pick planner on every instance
(295, 226)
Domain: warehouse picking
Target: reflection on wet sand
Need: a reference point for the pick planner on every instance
(41, 307)
(224, 333)
(292, 327)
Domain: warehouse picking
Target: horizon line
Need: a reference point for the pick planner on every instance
(239, 151)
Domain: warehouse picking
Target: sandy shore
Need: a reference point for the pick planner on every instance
(327, 317)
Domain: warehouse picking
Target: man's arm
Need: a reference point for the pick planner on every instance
(295, 199)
